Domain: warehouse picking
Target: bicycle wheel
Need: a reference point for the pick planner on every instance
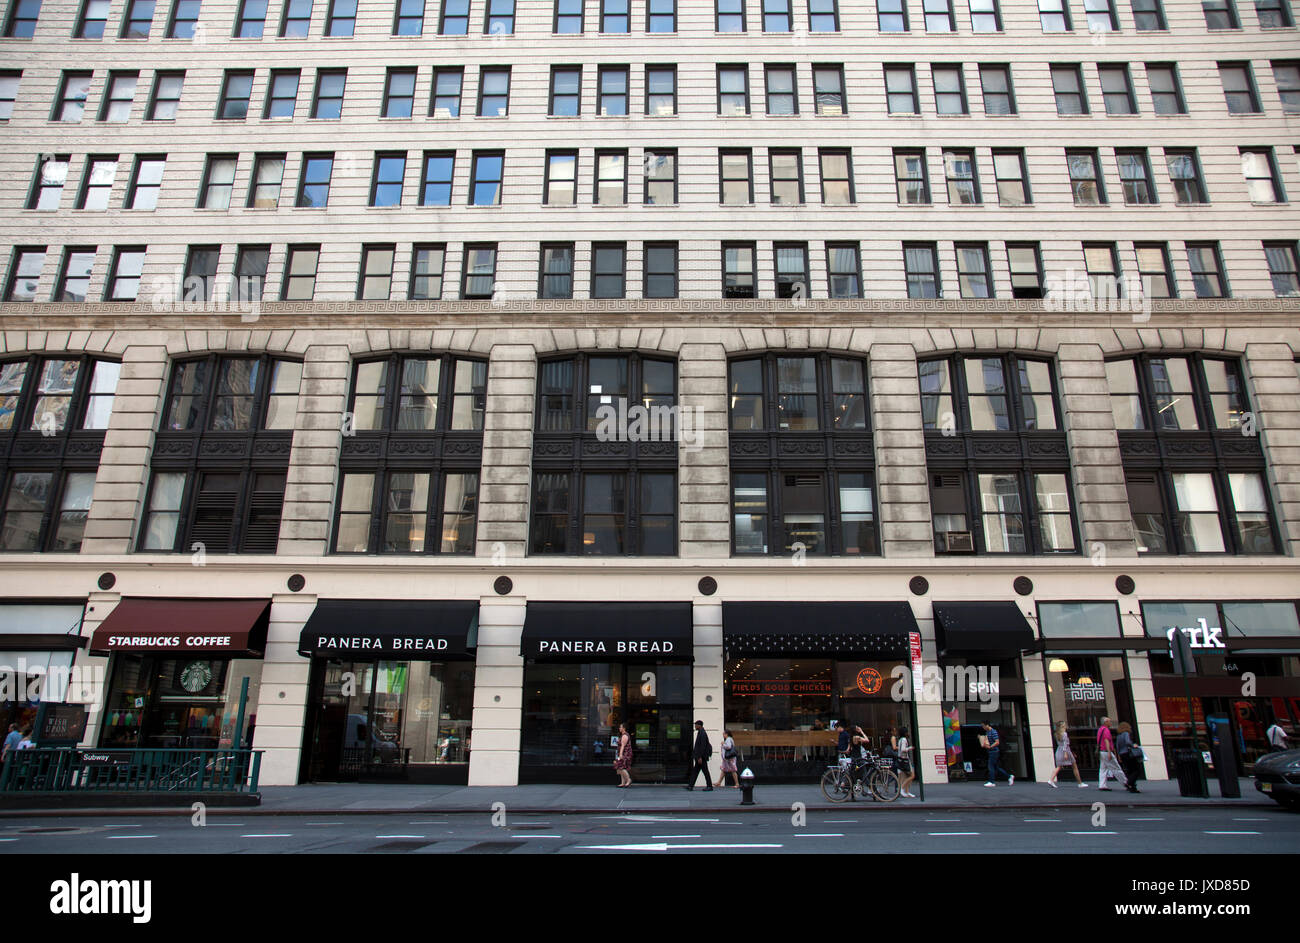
(885, 785)
(835, 785)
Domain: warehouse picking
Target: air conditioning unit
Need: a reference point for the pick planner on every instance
(958, 541)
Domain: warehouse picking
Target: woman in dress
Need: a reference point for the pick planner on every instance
(728, 761)
(1064, 757)
(903, 751)
(623, 758)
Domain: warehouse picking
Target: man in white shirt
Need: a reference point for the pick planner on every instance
(1277, 738)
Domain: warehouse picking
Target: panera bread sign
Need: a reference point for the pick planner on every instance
(379, 644)
(545, 646)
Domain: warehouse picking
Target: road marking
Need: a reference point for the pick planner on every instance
(676, 836)
(1152, 818)
(1092, 833)
(320, 823)
(531, 837)
(268, 835)
(120, 826)
(943, 820)
(841, 821)
(119, 837)
(227, 825)
(1252, 820)
(664, 846)
(399, 836)
(8, 839)
(630, 819)
(438, 822)
(819, 835)
(1042, 820)
(1209, 832)
(954, 833)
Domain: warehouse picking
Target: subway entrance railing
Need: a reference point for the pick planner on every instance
(80, 771)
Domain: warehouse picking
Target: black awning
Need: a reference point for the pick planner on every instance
(607, 631)
(397, 629)
(843, 629)
(982, 627)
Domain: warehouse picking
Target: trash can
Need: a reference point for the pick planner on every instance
(1190, 770)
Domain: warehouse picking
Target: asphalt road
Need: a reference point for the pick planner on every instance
(1068, 831)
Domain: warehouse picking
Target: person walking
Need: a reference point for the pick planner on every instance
(700, 753)
(1064, 758)
(1275, 735)
(11, 741)
(623, 758)
(1130, 756)
(995, 752)
(729, 757)
(1108, 764)
(903, 750)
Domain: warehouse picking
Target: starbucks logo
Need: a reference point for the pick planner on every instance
(196, 676)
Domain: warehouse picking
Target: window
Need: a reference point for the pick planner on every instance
(660, 276)
(427, 263)
(1155, 271)
(735, 177)
(200, 273)
(47, 186)
(1239, 88)
(1179, 390)
(1085, 178)
(1207, 270)
(836, 176)
(314, 180)
(781, 96)
(985, 16)
(1012, 178)
(249, 279)
(22, 19)
(844, 270)
(785, 172)
(911, 178)
(218, 181)
(938, 16)
(738, 270)
(1101, 16)
(71, 103)
(1026, 266)
(165, 100)
(921, 264)
(1117, 90)
(485, 181)
(300, 273)
(124, 275)
(399, 93)
(660, 177)
(493, 93)
(327, 103)
(608, 269)
(949, 90)
(1054, 16)
(1283, 267)
(1101, 261)
(1220, 14)
(1262, 180)
(826, 508)
(236, 90)
(1166, 90)
(9, 93)
(1135, 176)
(776, 16)
(437, 178)
(1185, 175)
(119, 96)
(250, 20)
(661, 90)
(614, 16)
(454, 20)
(296, 21)
(566, 91)
(25, 273)
(1274, 14)
(733, 90)
(138, 19)
(963, 184)
(661, 16)
(375, 280)
(612, 93)
(407, 511)
(386, 186)
(900, 88)
(828, 89)
(995, 85)
(146, 181)
(268, 175)
(555, 279)
(1067, 84)
(1287, 77)
(891, 16)
(974, 278)
(97, 184)
(184, 19)
(408, 18)
(445, 99)
(281, 93)
(729, 16)
(1148, 15)
(568, 16)
(479, 278)
(341, 18)
(500, 18)
(611, 178)
(791, 269)
(560, 187)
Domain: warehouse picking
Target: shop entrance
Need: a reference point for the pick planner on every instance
(188, 703)
(963, 727)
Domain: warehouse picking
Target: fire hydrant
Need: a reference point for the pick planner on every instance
(747, 787)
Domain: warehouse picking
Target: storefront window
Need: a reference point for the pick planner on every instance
(1081, 690)
(160, 702)
(979, 692)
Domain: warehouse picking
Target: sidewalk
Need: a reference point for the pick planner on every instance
(387, 799)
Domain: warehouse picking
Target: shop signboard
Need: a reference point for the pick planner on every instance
(58, 723)
(778, 687)
(106, 758)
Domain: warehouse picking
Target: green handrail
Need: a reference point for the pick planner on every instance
(80, 770)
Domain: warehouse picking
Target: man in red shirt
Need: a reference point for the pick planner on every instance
(1109, 765)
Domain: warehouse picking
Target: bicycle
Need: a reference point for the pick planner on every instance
(877, 779)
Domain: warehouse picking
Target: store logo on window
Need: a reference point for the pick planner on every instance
(870, 681)
(1085, 692)
(1200, 636)
(196, 676)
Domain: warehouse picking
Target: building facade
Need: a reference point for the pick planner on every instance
(473, 376)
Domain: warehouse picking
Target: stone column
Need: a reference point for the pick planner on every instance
(1148, 718)
(507, 474)
(282, 696)
(928, 736)
(1041, 741)
(314, 461)
(98, 606)
(495, 732)
(1275, 399)
(707, 684)
(904, 495)
(703, 458)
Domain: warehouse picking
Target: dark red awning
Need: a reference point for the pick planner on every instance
(184, 626)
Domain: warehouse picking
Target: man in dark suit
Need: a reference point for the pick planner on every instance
(700, 753)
